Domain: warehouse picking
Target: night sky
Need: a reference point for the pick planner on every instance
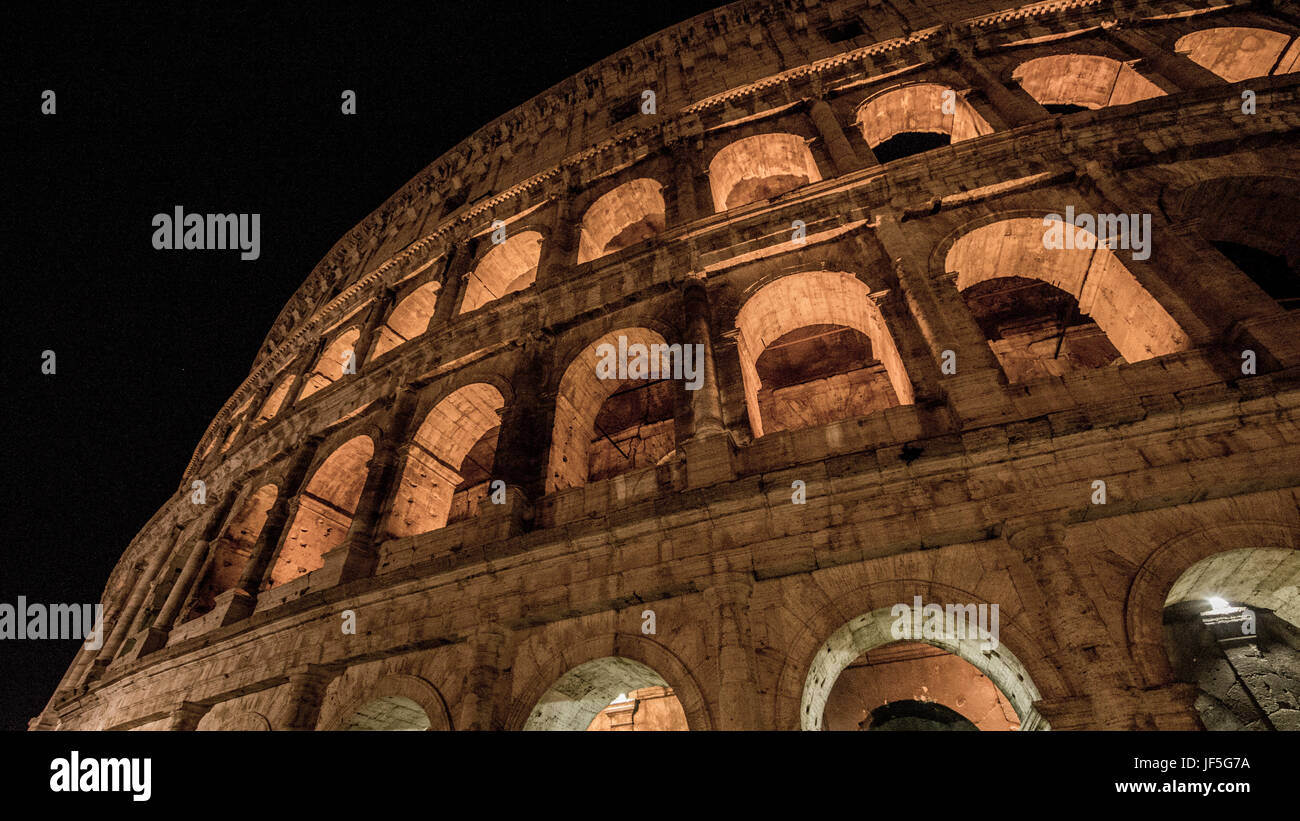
(231, 109)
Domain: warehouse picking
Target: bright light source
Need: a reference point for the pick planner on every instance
(621, 698)
(1219, 605)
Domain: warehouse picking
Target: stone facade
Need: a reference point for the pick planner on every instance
(905, 393)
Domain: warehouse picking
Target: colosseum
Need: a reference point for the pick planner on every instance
(836, 364)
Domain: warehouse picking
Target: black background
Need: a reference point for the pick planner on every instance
(221, 108)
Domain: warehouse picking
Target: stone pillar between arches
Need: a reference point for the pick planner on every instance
(300, 708)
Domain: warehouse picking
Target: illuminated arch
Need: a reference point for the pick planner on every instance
(274, 400)
(582, 394)
(1232, 608)
(630, 213)
(814, 298)
(329, 367)
(221, 720)
(507, 268)
(1165, 568)
(1264, 577)
(441, 463)
(325, 509)
(573, 702)
(231, 551)
(871, 630)
(1132, 320)
(1239, 53)
(760, 167)
(919, 108)
(408, 319)
(394, 702)
(1086, 80)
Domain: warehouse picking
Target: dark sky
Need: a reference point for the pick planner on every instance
(224, 109)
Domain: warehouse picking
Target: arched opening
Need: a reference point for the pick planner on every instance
(1251, 220)
(863, 667)
(224, 718)
(1073, 82)
(760, 168)
(325, 509)
(814, 349)
(332, 362)
(604, 425)
(910, 685)
(388, 713)
(644, 709)
(1036, 330)
(1094, 304)
(1232, 628)
(408, 319)
(632, 212)
(634, 428)
(1271, 272)
(240, 415)
(1239, 53)
(449, 462)
(508, 267)
(235, 430)
(274, 400)
(911, 715)
(231, 551)
(917, 117)
(607, 694)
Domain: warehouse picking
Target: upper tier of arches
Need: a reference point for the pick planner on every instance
(754, 162)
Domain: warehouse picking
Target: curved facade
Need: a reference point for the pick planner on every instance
(433, 505)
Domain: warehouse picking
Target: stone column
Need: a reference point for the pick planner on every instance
(192, 595)
(1178, 69)
(730, 373)
(728, 598)
(706, 406)
(254, 411)
(486, 646)
(842, 154)
(306, 690)
(186, 716)
(307, 363)
(126, 616)
(704, 441)
(366, 341)
(1076, 640)
(155, 637)
(560, 248)
(179, 592)
(238, 602)
(922, 370)
(976, 389)
(522, 447)
(356, 557)
(1016, 109)
(685, 205)
(453, 287)
(219, 445)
